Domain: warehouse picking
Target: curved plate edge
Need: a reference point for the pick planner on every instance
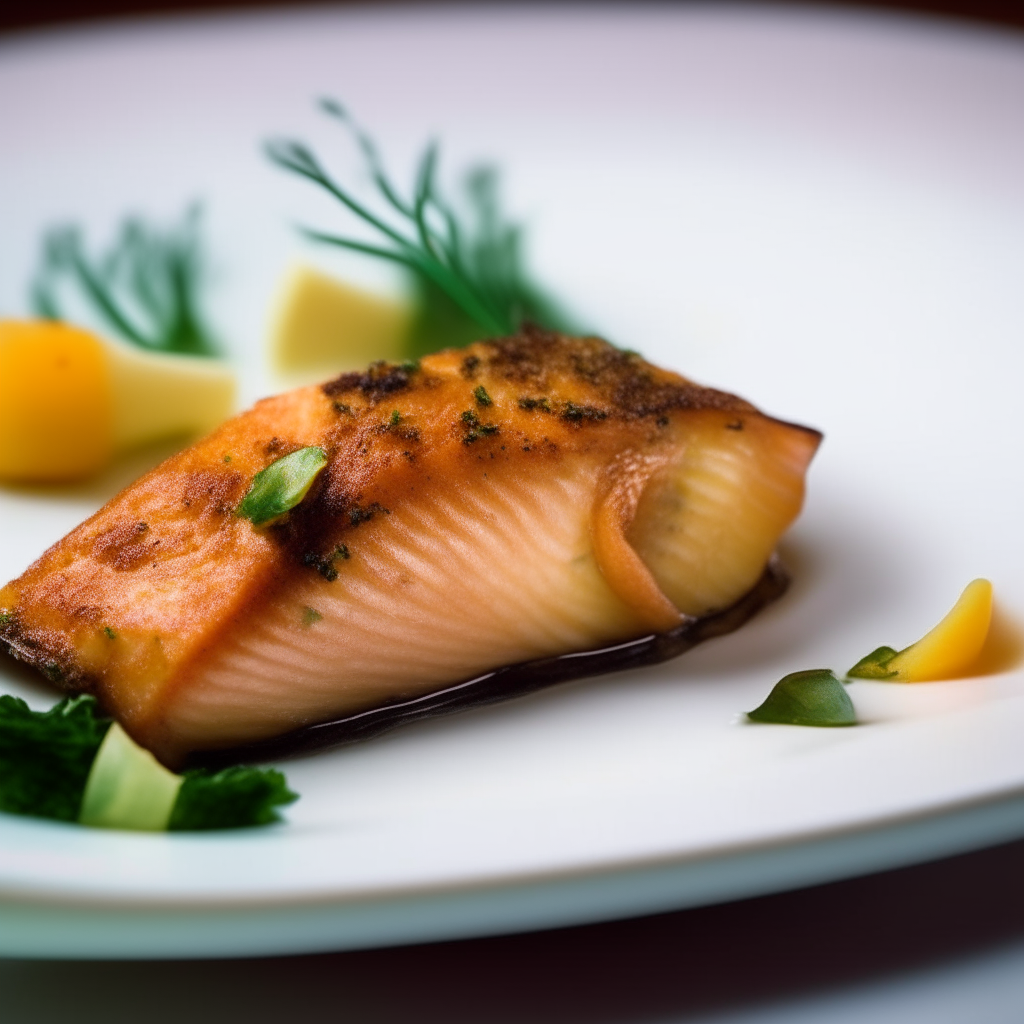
(97, 933)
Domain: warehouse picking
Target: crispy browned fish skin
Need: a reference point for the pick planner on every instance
(139, 603)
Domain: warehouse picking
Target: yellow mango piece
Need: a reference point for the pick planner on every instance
(323, 326)
(56, 402)
(69, 400)
(954, 645)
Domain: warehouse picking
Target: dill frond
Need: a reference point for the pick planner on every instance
(144, 287)
(469, 279)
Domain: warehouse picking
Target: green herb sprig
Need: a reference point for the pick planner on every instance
(469, 280)
(144, 288)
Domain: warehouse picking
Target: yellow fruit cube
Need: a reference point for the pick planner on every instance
(69, 401)
(323, 327)
(56, 402)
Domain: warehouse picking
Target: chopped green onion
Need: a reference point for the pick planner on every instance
(814, 697)
(282, 485)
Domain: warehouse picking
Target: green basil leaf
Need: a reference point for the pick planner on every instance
(282, 485)
(875, 665)
(815, 697)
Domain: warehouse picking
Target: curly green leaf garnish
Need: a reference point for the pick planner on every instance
(282, 485)
(144, 288)
(73, 764)
(468, 280)
(236, 797)
(814, 697)
(46, 756)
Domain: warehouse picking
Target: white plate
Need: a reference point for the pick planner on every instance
(822, 213)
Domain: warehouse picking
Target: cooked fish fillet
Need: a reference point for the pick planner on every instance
(514, 500)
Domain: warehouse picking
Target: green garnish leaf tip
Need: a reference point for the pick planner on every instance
(874, 665)
(814, 697)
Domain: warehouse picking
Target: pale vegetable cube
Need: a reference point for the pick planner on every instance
(158, 395)
(324, 326)
(128, 787)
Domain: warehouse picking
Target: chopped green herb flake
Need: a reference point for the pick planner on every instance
(227, 458)
(481, 396)
(814, 697)
(46, 756)
(875, 665)
(310, 615)
(282, 485)
(5, 618)
(396, 418)
(323, 565)
(341, 551)
(357, 514)
(529, 404)
(476, 428)
(109, 633)
(578, 413)
(410, 365)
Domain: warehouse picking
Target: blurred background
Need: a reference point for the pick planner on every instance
(48, 12)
